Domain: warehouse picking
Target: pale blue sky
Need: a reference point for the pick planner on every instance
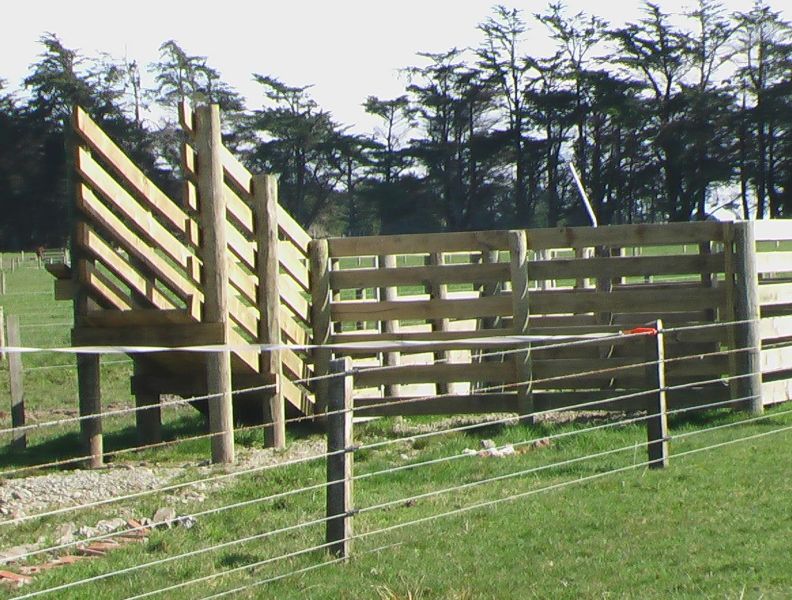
(348, 48)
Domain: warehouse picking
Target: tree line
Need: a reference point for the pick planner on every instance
(666, 118)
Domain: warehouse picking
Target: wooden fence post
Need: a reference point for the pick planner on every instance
(518, 250)
(18, 438)
(265, 210)
(148, 421)
(389, 293)
(439, 291)
(2, 335)
(208, 143)
(746, 308)
(320, 316)
(656, 406)
(340, 460)
(2, 283)
(88, 373)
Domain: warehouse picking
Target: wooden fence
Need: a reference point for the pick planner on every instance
(436, 323)
(443, 288)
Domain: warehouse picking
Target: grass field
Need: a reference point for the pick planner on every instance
(714, 525)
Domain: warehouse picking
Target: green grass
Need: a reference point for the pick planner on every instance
(714, 525)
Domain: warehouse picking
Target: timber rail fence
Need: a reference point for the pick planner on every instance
(348, 519)
(443, 314)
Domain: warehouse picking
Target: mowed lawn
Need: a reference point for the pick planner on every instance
(579, 518)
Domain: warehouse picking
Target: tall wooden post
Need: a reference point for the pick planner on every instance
(389, 293)
(88, 372)
(657, 422)
(2, 283)
(320, 316)
(746, 308)
(340, 460)
(18, 438)
(208, 143)
(265, 210)
(439, 291)
(518, 250)
(2, 335)
(148, 417)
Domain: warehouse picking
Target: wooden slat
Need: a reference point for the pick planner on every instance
(649, 234)
(423, 309)
(293, 394)
(291, 229)
(775, 293)
(775, 327)
(237, 171)
(417, 243)
(439, 373)
(622, 300)
(775, 392)
(362, 278)
(773, 230)
(241, 247)
(242, 281)
(247, 357)
(293, 298)
(294, 364)
(139, 317)
(291, 329)
(294, 264)
(134, 212)
(468, 404)
(125, 168)
(626, 266)
(172, 335)
(245, 316)
(774, 262)
(88, 239)
(776, 359)
(239, 210)
(101, 286)
(175, 280)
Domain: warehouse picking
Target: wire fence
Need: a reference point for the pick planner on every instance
(463, 491)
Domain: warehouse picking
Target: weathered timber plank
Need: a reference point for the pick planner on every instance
(89, 240)
(291, 329)
(291, 229)
(582, 301)
(775, 293)
(242, 281)
(123, 166)
(418, 243)
(773, 230)
(294, 264)
(626, 266)
(241, 247)
(422, 309)
(775, 392)
(774, 262)
(775, 327)
(429, 275)
(135, 213)
(648, 234)
(102, 288)
(240, 211)
(292, 296)
(776, 359)
(175, 280)
(138, 317)
(171, 335)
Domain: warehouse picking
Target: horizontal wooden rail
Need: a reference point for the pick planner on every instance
(417, 243)
(123, 166)
(493, 306)
(460, 273)
(115, 195)
(176, 280)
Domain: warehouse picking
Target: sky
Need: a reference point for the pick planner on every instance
(346, 49)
